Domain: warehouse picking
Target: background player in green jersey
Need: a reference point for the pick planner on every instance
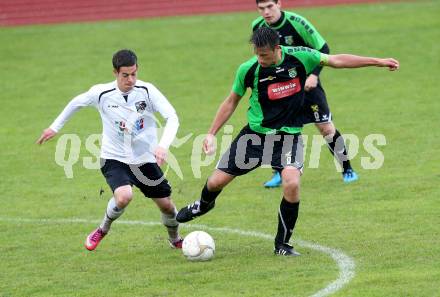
(277, 77)
(294, 30)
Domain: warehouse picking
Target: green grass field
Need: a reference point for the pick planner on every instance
(388, 222)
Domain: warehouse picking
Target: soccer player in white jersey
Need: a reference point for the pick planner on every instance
(130, 152)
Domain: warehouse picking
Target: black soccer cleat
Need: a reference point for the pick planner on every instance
(285, 249)
(193, 210)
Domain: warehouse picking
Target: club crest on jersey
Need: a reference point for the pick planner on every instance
(292, 72)
(121, 125)
(139, 124)
(288, 40)
(140, 106)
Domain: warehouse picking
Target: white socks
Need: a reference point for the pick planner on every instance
(169, 220)
(112, 213)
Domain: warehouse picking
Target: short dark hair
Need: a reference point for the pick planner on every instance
(264, 36)
(259, 1)
(124, 58)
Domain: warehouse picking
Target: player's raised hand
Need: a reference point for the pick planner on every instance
(161, 155)
(311, 82)
(46, 135)
(391, 63)
(209, 144)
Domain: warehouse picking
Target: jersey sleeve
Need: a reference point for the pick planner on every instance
(257, 23)
(324, 50)
(167, 111)
(310, 58)
(306, 30)
(242, 77)
(89, 98)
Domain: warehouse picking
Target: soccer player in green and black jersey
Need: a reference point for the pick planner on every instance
(295, 30)
(277, 76)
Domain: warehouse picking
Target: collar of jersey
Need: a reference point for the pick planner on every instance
(278, 64)
(123, 93)
(278, 24)
(282, 57)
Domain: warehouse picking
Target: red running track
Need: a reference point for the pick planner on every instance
(26, 12)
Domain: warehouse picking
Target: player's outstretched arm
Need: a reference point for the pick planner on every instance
(46, 135)
(353, 61)
(74, 105)
(224, 112)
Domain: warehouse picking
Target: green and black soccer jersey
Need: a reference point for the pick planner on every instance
(277, 91)
(294, 30)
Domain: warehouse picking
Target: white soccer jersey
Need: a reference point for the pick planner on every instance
(129, 130)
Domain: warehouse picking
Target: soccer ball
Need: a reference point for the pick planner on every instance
(198, 246)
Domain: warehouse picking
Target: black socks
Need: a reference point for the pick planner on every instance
(207, 197)
(337, 147)
(287, 216)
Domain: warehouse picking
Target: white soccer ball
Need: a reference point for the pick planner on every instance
(198, 246)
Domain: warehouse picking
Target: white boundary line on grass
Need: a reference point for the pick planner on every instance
(345, 264)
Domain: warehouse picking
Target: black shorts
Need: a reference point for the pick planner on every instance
(315, 108)
(250, 150)
(148, 177)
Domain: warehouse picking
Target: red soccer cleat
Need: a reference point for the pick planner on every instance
(94, 239)
(176, 244)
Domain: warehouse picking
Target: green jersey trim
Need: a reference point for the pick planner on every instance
(310, 58)
(256, 127)
(324, 59)
(282, 58)
(279, 26)
(255, 112)
(239, 86)
(256, 22)
(306, 30)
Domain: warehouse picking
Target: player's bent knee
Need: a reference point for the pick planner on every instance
(218, 181)
(291, 180)
(214, 185)
(165, 204)
(124, 200)
(327, 129)
(123, 195)
(291, 185)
